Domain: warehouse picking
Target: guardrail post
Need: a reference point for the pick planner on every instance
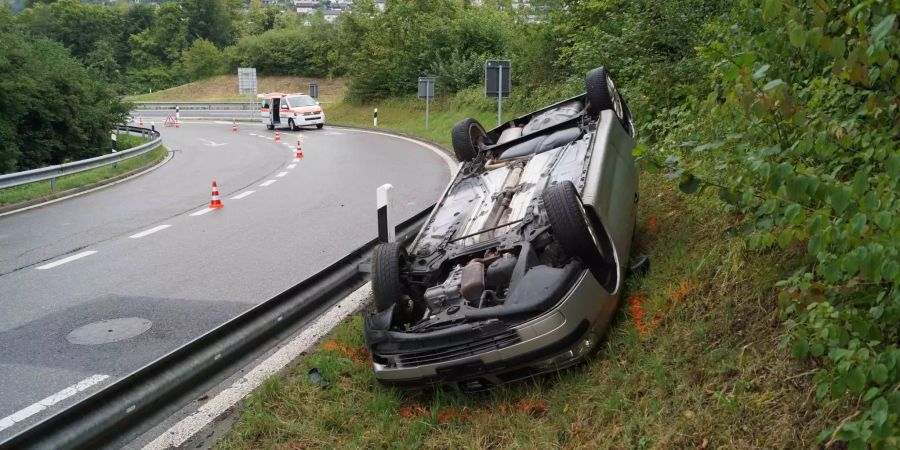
(53, 184)
(387, 231)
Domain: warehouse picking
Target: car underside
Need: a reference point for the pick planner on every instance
(536, 222)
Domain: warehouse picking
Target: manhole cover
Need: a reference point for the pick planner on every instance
(112, 330)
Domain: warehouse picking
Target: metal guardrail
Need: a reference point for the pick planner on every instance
(53, 172)
(112, 416)
(188, 106)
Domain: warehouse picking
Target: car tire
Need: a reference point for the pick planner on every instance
(320, 125)
(387, 261)
(601, 94)
(571, 225)
(466, 135)
(270, 127)
(292, 126)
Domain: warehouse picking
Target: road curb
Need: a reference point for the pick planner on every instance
(75, 192)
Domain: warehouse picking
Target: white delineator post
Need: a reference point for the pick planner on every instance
(386, 228)
(375, 117)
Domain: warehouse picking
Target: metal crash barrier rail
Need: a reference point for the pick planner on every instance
(115, 414)
(53, 172)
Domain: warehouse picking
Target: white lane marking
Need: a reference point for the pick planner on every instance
(210, 143)
(252, 134)
(216, 406)
(150, 231)
(296, 159)
(267, 183)
(281, 174)
(241, 195)
(35, 408)
(291, 166)
(66, 260)
(201, 212)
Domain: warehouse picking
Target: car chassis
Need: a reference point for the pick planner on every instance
(520, 266)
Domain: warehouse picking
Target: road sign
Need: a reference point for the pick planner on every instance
(426, 88)
(496, 78)
(426, 92)
(496, 83)
(247, 80)
(314, 90)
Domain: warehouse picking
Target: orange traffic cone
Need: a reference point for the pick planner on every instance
(177, 123)
(277, 137)
(299, 150)
(234, 125)
(215, 202)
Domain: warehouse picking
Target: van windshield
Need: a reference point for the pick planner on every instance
(301, 101)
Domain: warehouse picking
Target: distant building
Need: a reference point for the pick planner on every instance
(332, 14)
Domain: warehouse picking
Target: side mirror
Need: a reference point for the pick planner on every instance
(284, 106)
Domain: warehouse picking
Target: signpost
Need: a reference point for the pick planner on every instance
(247, 82)
(426, 92)
(314, 90)
(496, 83)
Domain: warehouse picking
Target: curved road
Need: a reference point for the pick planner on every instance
(149, 250)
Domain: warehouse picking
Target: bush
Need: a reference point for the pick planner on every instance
(202, 60)
(33, 72)
(797, 130)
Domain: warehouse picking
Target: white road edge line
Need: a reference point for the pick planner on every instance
(241, 195)
(291, 166)
(267, 183)
(179, 433)
(165, 160)
(201, 212)
(35, 408)
(149, 232)
(451, 163)
(66, 260)
(281, 174)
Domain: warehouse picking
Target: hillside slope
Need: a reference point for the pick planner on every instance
(224, 88)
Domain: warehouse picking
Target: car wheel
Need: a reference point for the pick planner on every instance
(387, 260)
(320, 125)
(572, 226)
(466, 135)
(270, 127)
(602, 94)
(291, 125)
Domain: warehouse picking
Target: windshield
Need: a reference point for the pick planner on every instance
(300, 101)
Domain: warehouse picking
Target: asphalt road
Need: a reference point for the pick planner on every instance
(148, 251)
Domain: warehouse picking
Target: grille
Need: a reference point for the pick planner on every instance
(457, 351)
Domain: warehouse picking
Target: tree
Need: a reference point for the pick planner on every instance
(52, 108)
(211, 20)
(202, 60)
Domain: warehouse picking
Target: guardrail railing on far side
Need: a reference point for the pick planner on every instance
(187, 106)
(53, 172)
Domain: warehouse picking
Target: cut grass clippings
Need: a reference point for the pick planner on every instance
(692, 361)
(42, 190)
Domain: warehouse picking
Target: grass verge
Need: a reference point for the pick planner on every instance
(693, 360)
(223, 88)
(42, 190)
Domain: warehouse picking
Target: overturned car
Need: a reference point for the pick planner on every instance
(520, 267)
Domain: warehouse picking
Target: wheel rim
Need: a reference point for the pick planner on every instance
(616, 99)
(474, 135)
(589, 226)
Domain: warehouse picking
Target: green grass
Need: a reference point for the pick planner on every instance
(42, 189)
(223, 88)
(692, 361)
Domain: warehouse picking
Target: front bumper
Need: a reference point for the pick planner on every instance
(556, 339)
